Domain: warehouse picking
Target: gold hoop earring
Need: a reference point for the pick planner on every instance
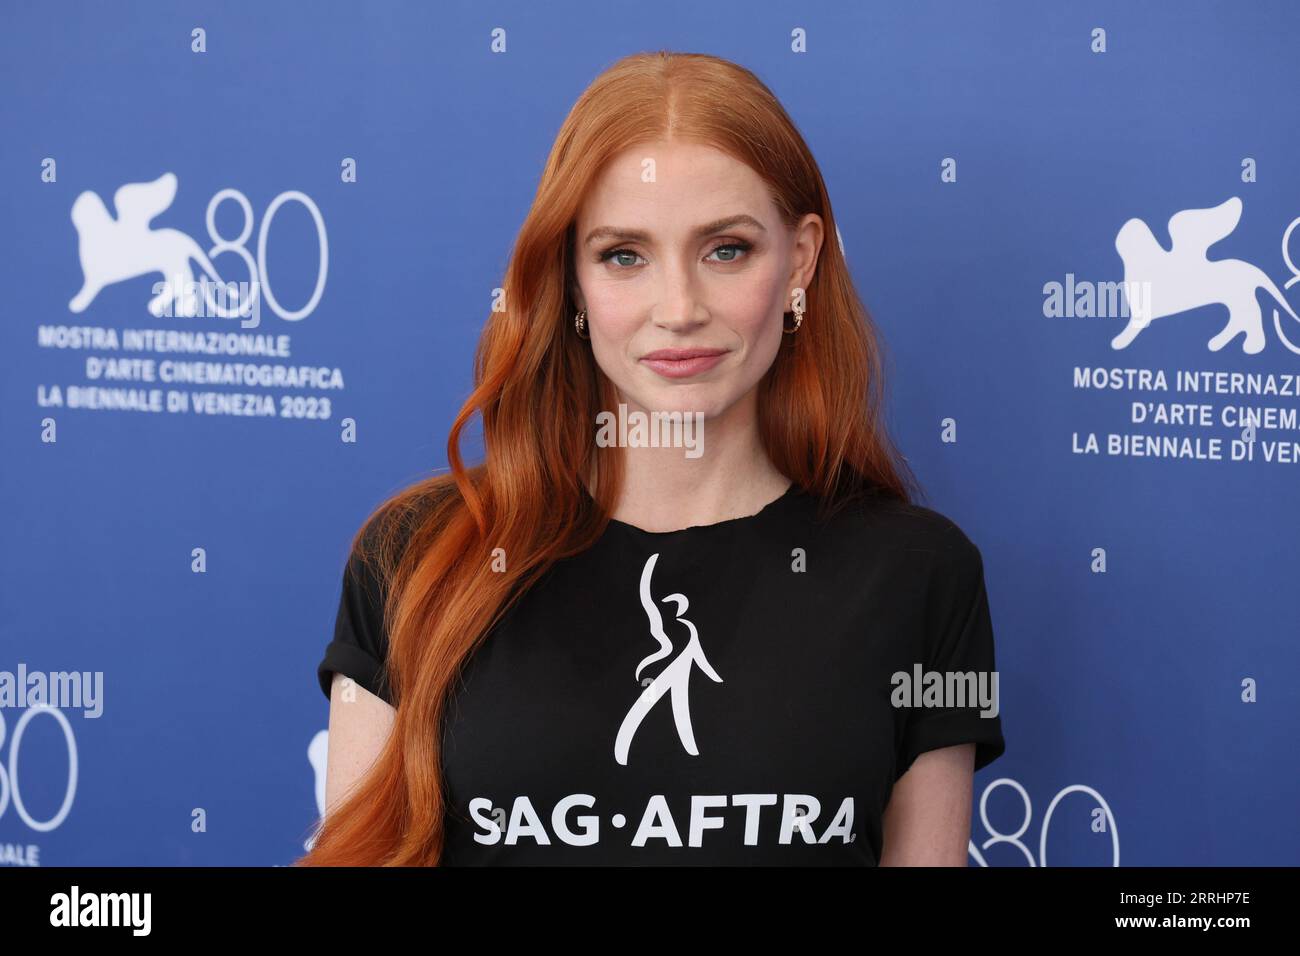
(580, 324)
(798, 321)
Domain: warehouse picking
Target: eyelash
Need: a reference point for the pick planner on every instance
(744, 247)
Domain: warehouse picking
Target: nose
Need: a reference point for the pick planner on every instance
(680, 306)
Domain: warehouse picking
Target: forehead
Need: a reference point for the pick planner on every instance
(672, 186)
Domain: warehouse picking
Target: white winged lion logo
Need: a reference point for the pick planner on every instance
(113, 250)
(1184, 277)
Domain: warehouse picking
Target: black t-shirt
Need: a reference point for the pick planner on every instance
(723, 694)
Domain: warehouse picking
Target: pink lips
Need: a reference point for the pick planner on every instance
(682, 363)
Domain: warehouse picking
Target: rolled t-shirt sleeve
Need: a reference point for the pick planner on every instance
(359, 648)
(958, 645)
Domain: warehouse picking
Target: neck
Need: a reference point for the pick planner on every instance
(665, 490)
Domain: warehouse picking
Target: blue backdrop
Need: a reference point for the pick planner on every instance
(980, 158)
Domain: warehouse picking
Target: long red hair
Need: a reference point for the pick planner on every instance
(538, 391)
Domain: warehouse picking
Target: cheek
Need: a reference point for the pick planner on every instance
(753, 309)
(753, 306)
(614, 318)
(616, 306)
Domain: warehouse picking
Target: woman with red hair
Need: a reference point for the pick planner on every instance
(679, 642)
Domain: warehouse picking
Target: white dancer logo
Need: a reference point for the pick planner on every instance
(1184, 277)
(675, 677)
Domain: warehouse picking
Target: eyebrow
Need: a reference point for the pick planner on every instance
(638, 235)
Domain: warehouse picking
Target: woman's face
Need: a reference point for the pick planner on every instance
(686, 269)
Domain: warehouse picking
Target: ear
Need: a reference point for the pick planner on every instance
(808, 237)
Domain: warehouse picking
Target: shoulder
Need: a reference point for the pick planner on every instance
(400, 522)
(385, 539)
(907, 528)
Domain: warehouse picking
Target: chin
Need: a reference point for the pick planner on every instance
(704, 398)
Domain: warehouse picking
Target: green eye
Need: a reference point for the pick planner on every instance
(613, 253)
(737, 250)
